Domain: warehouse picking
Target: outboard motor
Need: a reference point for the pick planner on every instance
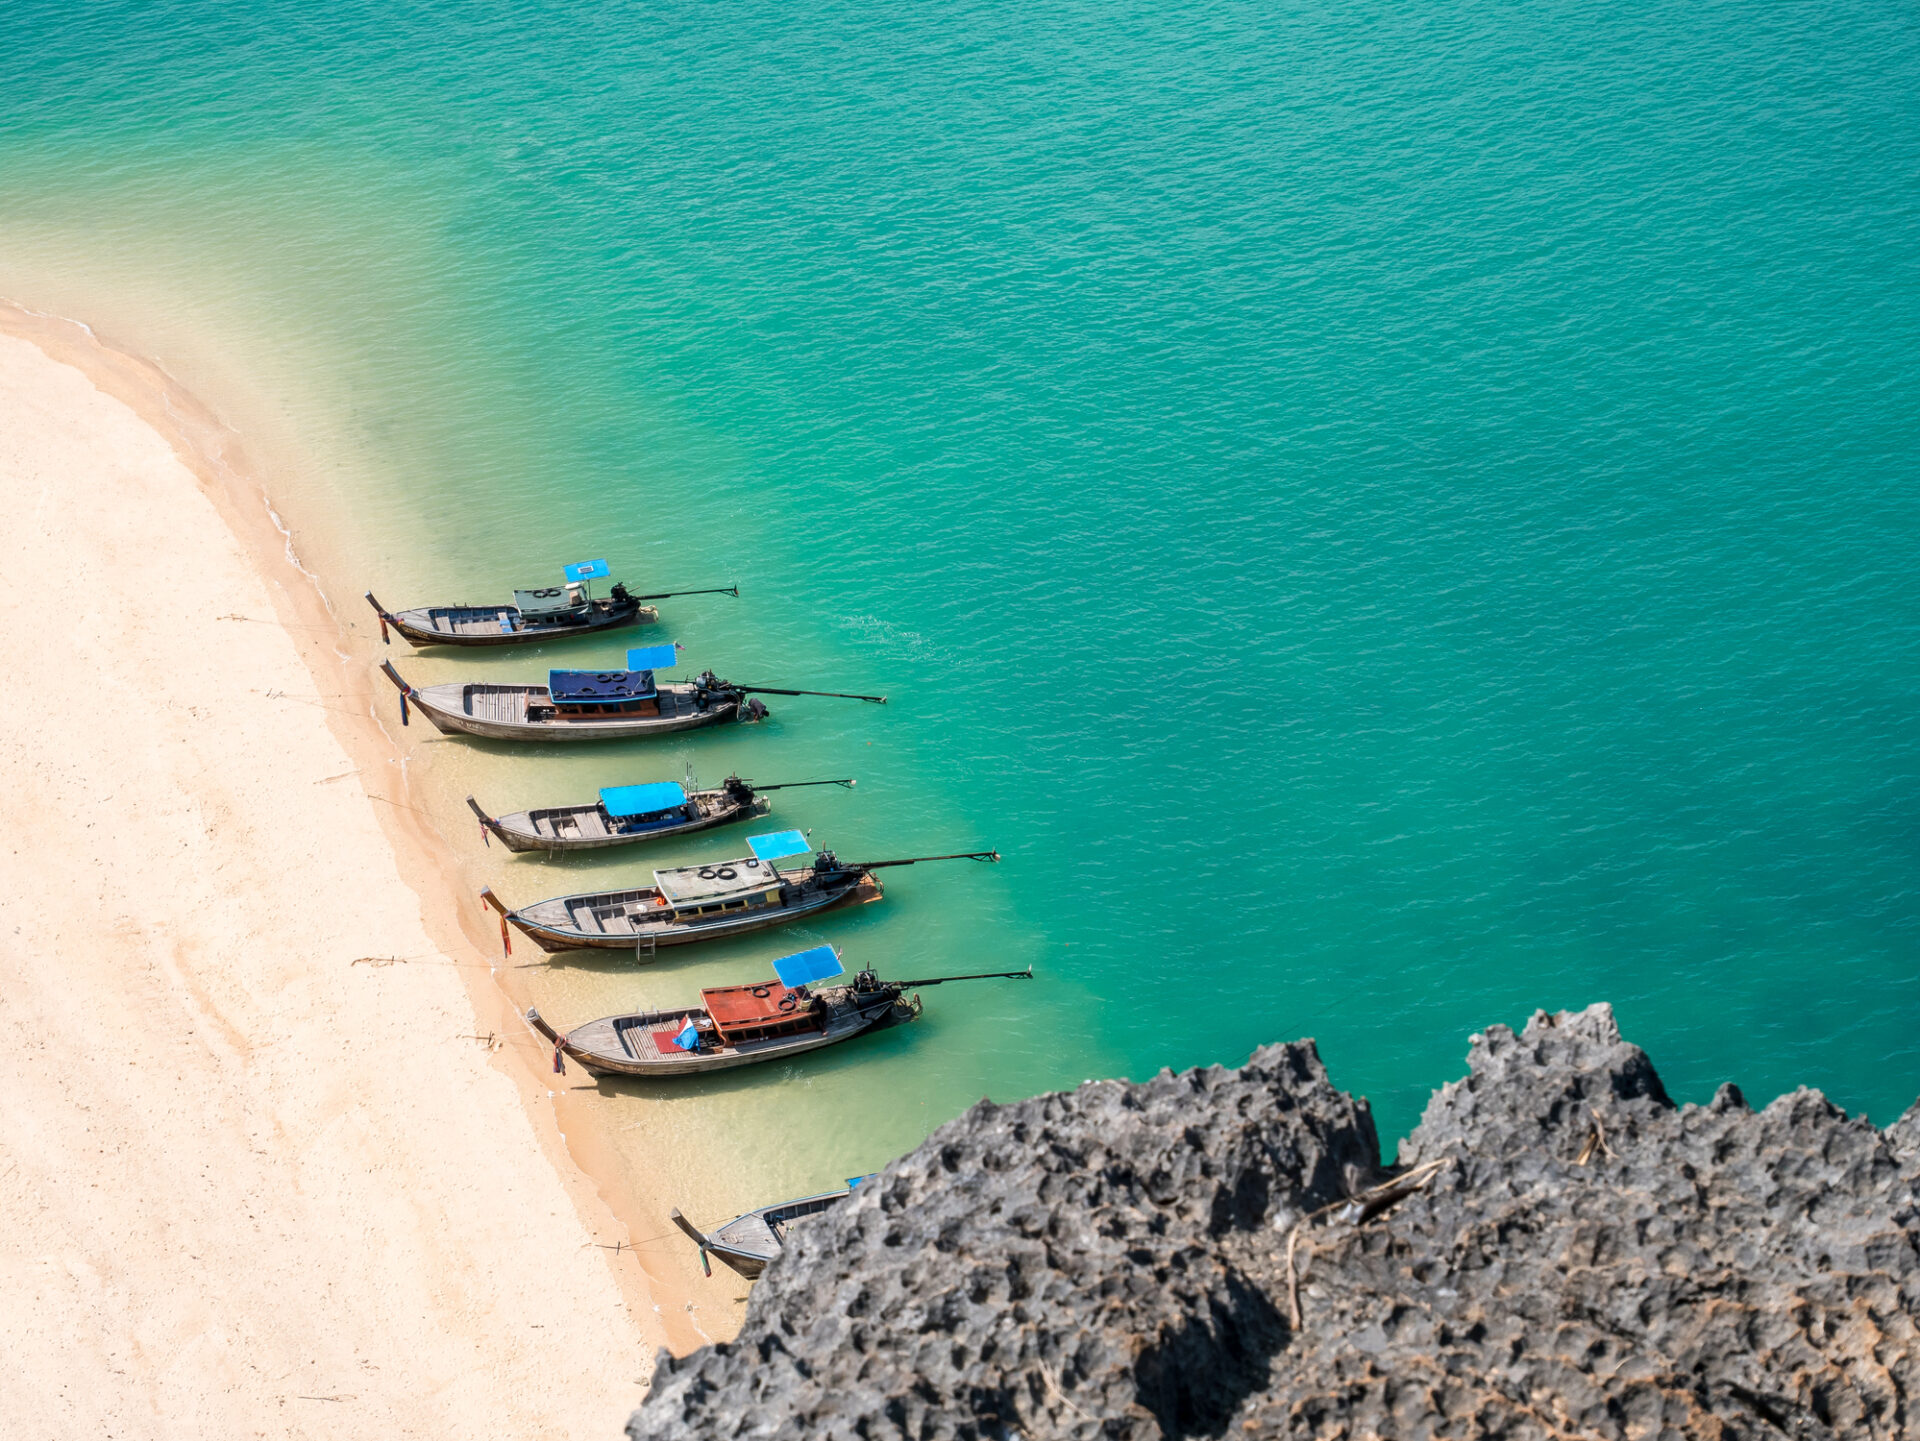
(866, 982)
(737, 789)
(826, 863)
(621, 595)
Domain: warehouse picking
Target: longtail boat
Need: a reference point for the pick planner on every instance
(586, 705)
(704, 903)
(747, 1243)
(626, 814)
(743, 1025)
(545, 613)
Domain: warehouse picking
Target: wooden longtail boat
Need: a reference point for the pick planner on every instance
(548, 613)
(704, 903)
(747, 1243)
(578, 705)
(744, 1025)
(626, 814)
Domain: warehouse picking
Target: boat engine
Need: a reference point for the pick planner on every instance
(737, 790)
(621, 595)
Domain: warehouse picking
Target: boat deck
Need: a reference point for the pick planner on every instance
(477, 620)
(512, 704)
(619, 916)
(762, 1233)
(489, 620)
(609, 913)
(568, 827)
(642, 1045)
(572, 823)
(648, 1039)
(504, 703)
(523, 712)
(641, 914)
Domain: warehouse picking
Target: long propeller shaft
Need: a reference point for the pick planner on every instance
(1025, 975)
(915, 860)
(849, 782)
(732, 590)
(834, 694)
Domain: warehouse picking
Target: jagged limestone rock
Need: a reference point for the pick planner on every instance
(1560, 1252)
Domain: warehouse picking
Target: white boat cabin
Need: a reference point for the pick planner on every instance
(559, 602)
(722, 886)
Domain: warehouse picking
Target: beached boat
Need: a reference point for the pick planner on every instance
(624, 815)
(747, 1243)
(547, 613)
(744, 1025)
(686, 904)
(587, 705)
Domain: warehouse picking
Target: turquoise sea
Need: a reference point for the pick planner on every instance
(1387, 515)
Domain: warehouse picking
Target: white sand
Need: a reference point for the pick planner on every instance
(237, 1171)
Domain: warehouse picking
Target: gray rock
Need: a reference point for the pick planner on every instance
(1560, 1252)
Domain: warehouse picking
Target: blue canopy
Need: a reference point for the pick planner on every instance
(588, 570)
(653, 657)
(780, 843)
(622, 801)
(599, 687)
(803, 968)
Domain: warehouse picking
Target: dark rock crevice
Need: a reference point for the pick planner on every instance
(1561, 1251)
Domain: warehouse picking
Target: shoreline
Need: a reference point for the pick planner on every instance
(426, 865)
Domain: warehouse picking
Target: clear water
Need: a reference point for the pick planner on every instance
(1388, 516)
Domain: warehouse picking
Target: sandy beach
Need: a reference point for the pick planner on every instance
(263, 1172)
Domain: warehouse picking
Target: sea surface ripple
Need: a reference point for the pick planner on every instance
(1388, 516)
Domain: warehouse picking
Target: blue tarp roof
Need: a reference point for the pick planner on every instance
(642, 800)
(653, 657)
(586, 687)
(803, 968)
(588, 570)
(780, 843)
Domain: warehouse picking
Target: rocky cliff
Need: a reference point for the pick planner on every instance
(1559, 1252)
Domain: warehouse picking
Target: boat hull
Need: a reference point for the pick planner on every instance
(742, 1263)
(554, 937)
(599, 1060)
(474, 709)
(748, 1243)
(517, 832)
(418, 627)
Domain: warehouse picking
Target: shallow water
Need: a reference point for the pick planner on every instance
(1387, 518)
